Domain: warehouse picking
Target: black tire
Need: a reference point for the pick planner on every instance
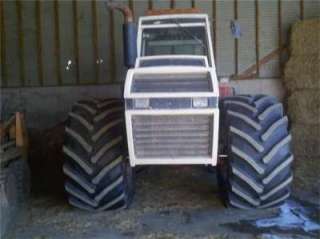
(13, 160)
(97, 170)
(254, 136)
(14, 184)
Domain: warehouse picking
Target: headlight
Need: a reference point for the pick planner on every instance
(141, 103)
(200, 102)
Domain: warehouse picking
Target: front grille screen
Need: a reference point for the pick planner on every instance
(172, 135)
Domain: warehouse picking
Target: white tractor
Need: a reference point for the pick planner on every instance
(173, 115)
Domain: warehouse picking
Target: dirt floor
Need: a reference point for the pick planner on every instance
(170, 202)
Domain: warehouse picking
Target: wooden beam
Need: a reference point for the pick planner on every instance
(236, 42)
(3, 82)
(95, 40)
(76, 38)
(172, 11)
(193, 3)
(131, 6)
(57, 40)
(301, 9)
(214, 26)
(251, 71)
(39, 41)
(257, 37)
(150, 4)
(172, 4)
(5, 126)
(21, 42)
(280, 34)
(112, 50)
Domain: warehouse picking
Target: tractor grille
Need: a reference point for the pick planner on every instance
(172, 136)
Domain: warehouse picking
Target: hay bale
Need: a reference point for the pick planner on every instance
(305, 37)
(306, 173)
(302, 72)
(304, 107)
(306, 140)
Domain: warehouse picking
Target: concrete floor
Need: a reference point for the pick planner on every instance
(170, 202)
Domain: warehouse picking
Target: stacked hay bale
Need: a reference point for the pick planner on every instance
(302, 80)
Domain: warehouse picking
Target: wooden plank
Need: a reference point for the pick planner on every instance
(76, 40)
(3, 80)
(161, 4)
(225, 41)
(172, 11)
(112, 50)
(57, 41)
(311, 9)
(257, 36)
(246, 43)
(47, 43)
(68, 49)
(214, 31)
(30, 40)
(236, 43)
(120, 69)
(11, 43)
(104, 39)
(183, 4)
(268, 41)
(21, 42)
(95, 41)
(87, 63)
(251, 71)
(280, 33)
(39, 41)
(193, 3)
(140, 8)
(172, 4)
(301, 9)
(131, 6)
(150, 4)
(5, 127)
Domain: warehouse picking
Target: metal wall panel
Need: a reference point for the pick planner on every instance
(50, 74)
(70, 42)
(225, 41)
(311, 9)
(118, 47)
(30, 50)
(246, 46)
(104, 51)
(11, 43)
(268, 36)
(68, 69)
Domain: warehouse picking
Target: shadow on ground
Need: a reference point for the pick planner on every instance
(170, 202)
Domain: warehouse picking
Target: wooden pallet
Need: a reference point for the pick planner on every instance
(14, 131)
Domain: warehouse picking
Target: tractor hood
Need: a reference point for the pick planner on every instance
(171, 82)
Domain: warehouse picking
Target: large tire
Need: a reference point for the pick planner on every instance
(98, 174)
(256, 170)
(14, 184)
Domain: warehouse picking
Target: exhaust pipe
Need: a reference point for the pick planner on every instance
(129, 34)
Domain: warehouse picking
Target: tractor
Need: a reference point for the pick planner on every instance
(173, 112)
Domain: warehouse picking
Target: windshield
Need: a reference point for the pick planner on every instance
(174, 41)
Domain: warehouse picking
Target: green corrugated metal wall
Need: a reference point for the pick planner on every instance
(40, 38)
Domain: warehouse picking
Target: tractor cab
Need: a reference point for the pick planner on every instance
(174, 40)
